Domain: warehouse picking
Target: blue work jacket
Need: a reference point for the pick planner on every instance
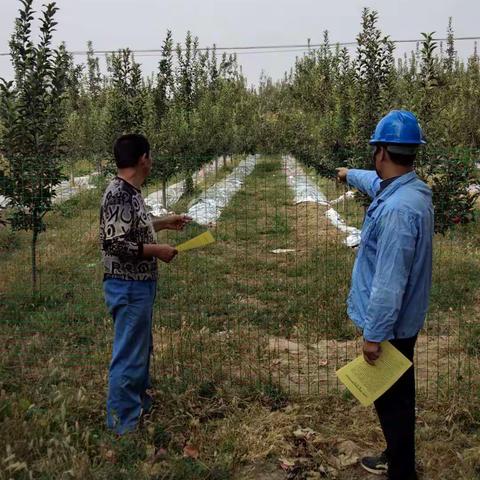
(392, 274)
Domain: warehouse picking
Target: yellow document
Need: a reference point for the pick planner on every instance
(206, 238)
(368, 382)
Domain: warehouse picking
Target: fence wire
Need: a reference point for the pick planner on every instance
(266, 304)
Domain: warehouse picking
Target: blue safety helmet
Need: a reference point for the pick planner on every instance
(399, 127)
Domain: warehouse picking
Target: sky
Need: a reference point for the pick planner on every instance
(142, 24)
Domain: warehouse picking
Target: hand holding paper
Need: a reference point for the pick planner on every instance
(371, 351)
(368, 382)
(201, 240)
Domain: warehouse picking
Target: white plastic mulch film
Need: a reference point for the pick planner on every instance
(353, 233)
(68, 189)
(306, 190)
(65, 189)
(4, 201)
(155, 200)
(207, 209)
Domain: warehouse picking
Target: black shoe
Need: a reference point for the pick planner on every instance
(376, 465)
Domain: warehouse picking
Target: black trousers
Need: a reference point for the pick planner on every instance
(396, 411)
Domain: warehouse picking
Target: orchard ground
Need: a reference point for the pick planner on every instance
(246, 345)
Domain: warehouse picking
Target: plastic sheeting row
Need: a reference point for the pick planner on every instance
(64, 190)
(305, 190)
(207, 209)
(155, 199)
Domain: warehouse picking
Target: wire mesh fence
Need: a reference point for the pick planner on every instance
(266, 304)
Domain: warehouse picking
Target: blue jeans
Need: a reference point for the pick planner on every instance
(131, 305)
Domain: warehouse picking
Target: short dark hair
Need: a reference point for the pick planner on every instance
(128, 149)
(403, 159)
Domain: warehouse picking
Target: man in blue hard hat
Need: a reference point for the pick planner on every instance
(392, 276)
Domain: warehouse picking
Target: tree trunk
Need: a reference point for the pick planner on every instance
(224, 160)
(189, 184)
(98, 164)
(216, 165)
(34, 260)
(164, 194)
(72, 170)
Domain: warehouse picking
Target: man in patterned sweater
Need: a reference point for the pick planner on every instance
(130, 252)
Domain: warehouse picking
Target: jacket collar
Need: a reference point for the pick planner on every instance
(392, 188)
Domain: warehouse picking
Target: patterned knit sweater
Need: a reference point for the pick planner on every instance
(125, 226)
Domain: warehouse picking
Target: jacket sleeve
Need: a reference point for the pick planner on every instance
(367, 181)
(397, 237)
(118, 223)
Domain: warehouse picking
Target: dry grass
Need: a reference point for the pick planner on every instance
(312, 229)
(239, 333)
(239, 423)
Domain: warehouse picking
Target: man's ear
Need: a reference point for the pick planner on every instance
(384, 154)
(143, 159)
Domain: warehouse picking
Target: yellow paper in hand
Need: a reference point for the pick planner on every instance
(206, 238)
(368, 382)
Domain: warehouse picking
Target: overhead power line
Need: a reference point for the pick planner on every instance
(248, 52)
(257, 48)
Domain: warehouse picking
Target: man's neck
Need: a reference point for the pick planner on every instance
(398, 172)
(131, 176)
